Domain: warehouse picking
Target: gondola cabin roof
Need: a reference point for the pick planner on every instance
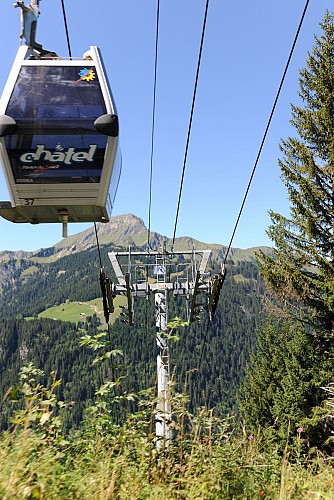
(59, 140)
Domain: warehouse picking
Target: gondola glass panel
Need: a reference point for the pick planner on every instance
(57, 142)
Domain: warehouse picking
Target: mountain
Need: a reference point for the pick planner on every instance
(33, 282)
(124, 231)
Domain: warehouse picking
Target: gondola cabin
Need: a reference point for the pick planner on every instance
(59, 140)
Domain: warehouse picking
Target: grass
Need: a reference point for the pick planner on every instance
(78, 311)
(208, 458)
(29, 271)
(239, 278)
(123, 464)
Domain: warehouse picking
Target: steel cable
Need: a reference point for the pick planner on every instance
(153, 123)
(70, 55)
(266, 131)
(191, 118)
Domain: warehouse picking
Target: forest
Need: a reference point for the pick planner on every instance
(55, 345)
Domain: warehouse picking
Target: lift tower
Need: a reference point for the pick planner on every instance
(177, 273)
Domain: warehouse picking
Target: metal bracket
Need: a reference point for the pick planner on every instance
(64, 219)
(29, 17)
(199, 286)
(129, 298)
(215, 288)
(107, 295)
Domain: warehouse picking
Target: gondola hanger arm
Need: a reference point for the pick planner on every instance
(29, 17)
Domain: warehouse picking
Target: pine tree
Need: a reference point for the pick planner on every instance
(294, 359)
(300, 272)
(283, 386)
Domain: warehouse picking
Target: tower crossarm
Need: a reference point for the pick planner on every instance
(204, 262)
(165, 276)
(117, 268)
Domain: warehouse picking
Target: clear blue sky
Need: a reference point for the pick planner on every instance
(245, 50)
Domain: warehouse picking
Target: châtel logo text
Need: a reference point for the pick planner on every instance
(65, 156)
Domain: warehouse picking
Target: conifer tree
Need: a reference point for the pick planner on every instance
(300, 272)
(284, 379)
(283, 383)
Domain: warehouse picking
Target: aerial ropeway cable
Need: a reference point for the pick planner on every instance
(153, 122)
(106, 285)
(220, 278)
(266, 130)
(191, 119)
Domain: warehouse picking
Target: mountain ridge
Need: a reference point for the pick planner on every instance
(124, 231)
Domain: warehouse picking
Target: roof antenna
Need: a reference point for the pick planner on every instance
(29, 17)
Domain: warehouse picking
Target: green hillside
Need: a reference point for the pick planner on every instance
(77, 312)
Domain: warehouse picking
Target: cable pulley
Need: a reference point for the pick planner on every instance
(107, 295)
(215, 288)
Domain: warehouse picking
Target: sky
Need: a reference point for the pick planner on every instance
(246, 47)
